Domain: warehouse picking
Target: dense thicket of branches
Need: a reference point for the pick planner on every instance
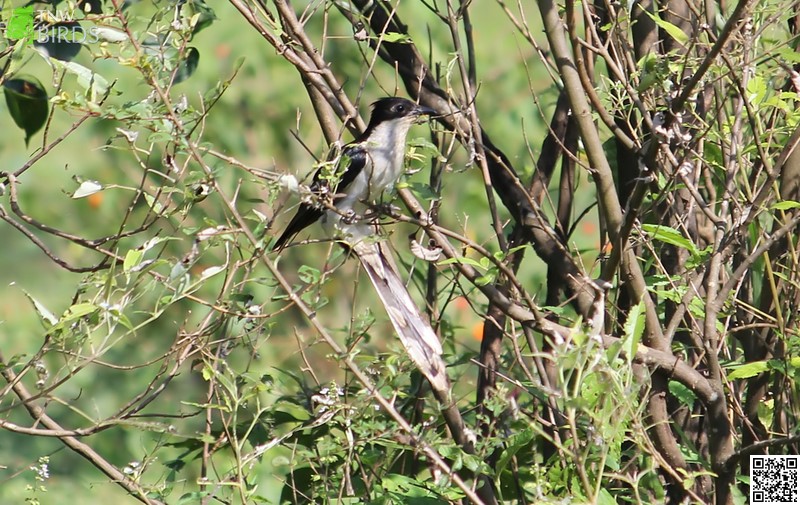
(646, 370)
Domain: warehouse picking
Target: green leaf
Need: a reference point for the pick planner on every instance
(202, 16)
(766, 411)
(672, 30)
(484, 280)
(396, 38)
(424, 146)
(406, 487)
(132, 259)
(786, 205)
(648, 72)
(79, 310)
(155, 241)
(605, 498)
(464, 260)
(27, 102)
(648, 63)
(422, 191)
(685, 395)
(633, 330)
(48, 318)
(309, 275)
(749, 370)
(669, 236)
(756, 90)
(513, 445)
(648, 81)
(20, 23)
(187, 66)
(123, 319)
(92, 83)
(789, 54)
(154, 204)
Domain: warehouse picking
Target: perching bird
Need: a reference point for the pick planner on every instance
(375, 161)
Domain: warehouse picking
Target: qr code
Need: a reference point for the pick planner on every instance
(774, 480)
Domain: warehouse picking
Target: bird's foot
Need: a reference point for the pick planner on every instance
(386, 209)
(350, 217)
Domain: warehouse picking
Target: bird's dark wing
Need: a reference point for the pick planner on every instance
(306, 215)
(356, 157)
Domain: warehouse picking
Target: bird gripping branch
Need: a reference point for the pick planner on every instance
(374, 163)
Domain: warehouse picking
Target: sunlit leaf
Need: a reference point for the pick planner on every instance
(685, 395)
(633, 330)
(90, 81)
(79, 310)
(132, 259)
(786, 205)
(87, 188)
(396, 38)
(749, 370)
(20, 23)
(673, 31)
(464, 260)
(605, 498)
(109, 34)
(669, 236)
(203, 15)
(48, 318)
(211, 271)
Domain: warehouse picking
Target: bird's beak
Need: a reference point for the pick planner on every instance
(421, 110)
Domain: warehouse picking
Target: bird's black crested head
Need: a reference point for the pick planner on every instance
(389, 108)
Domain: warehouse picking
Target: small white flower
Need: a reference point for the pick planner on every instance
(42, 470)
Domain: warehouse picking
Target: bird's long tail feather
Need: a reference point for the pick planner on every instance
(416, 334)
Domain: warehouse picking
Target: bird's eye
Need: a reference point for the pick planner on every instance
(400, 108)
